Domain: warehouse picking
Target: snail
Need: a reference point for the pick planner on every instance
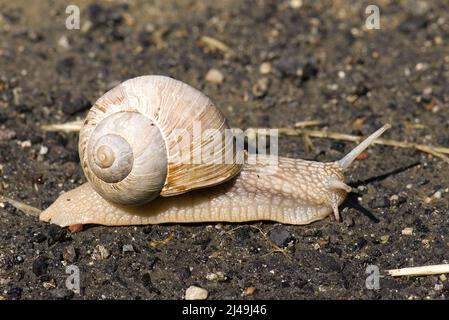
(139, 172)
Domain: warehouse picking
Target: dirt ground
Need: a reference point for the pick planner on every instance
(325, 65)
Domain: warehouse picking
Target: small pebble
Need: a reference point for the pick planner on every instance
(101, 253)
(443, 277)
(260, 88)
(394, 197)
(217, 276)
(384, 239)
(214, 76)
(63, 42)
(426, 243)
(43, 150)
(48, 285)
(280, 236)
(341, 74)
(437, 195)
(427, 91)
(295, 4)
(407, 231)
(420, 66)
(438, 286)
(265, 68)
(25, 144)
(40, 266)
(128, 248)
(196, 293)
(248, 291)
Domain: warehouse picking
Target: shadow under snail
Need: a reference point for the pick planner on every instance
(137, 174)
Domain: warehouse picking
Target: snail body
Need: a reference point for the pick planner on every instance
(138, 172)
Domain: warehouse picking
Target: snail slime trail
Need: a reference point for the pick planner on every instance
(194, 310)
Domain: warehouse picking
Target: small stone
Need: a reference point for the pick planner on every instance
(101, 253)
(352, 98)
(443, 277)
(437, 195)
(63, 42)
(295, 4)
(260, 88)
(69, 254)
(40, 266)
(427, 91)
(214, 76)
(249, 291)
(128, 248)
(265, 68)
(421, 66)
(43, 150)
(438, 286)
(407, 231)
(384, 239)
(217, 276)
(48, 285)
(57, 235)
(25, 144)
(280, 236)
(341, 74)
(394, 197)
(409, 186)
(196, 293)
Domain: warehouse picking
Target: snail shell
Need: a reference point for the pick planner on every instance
(149, 136)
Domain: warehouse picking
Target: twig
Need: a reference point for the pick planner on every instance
(435, 151)
(215, 44)
(25, 208)
(420, 271)
(73, 126)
